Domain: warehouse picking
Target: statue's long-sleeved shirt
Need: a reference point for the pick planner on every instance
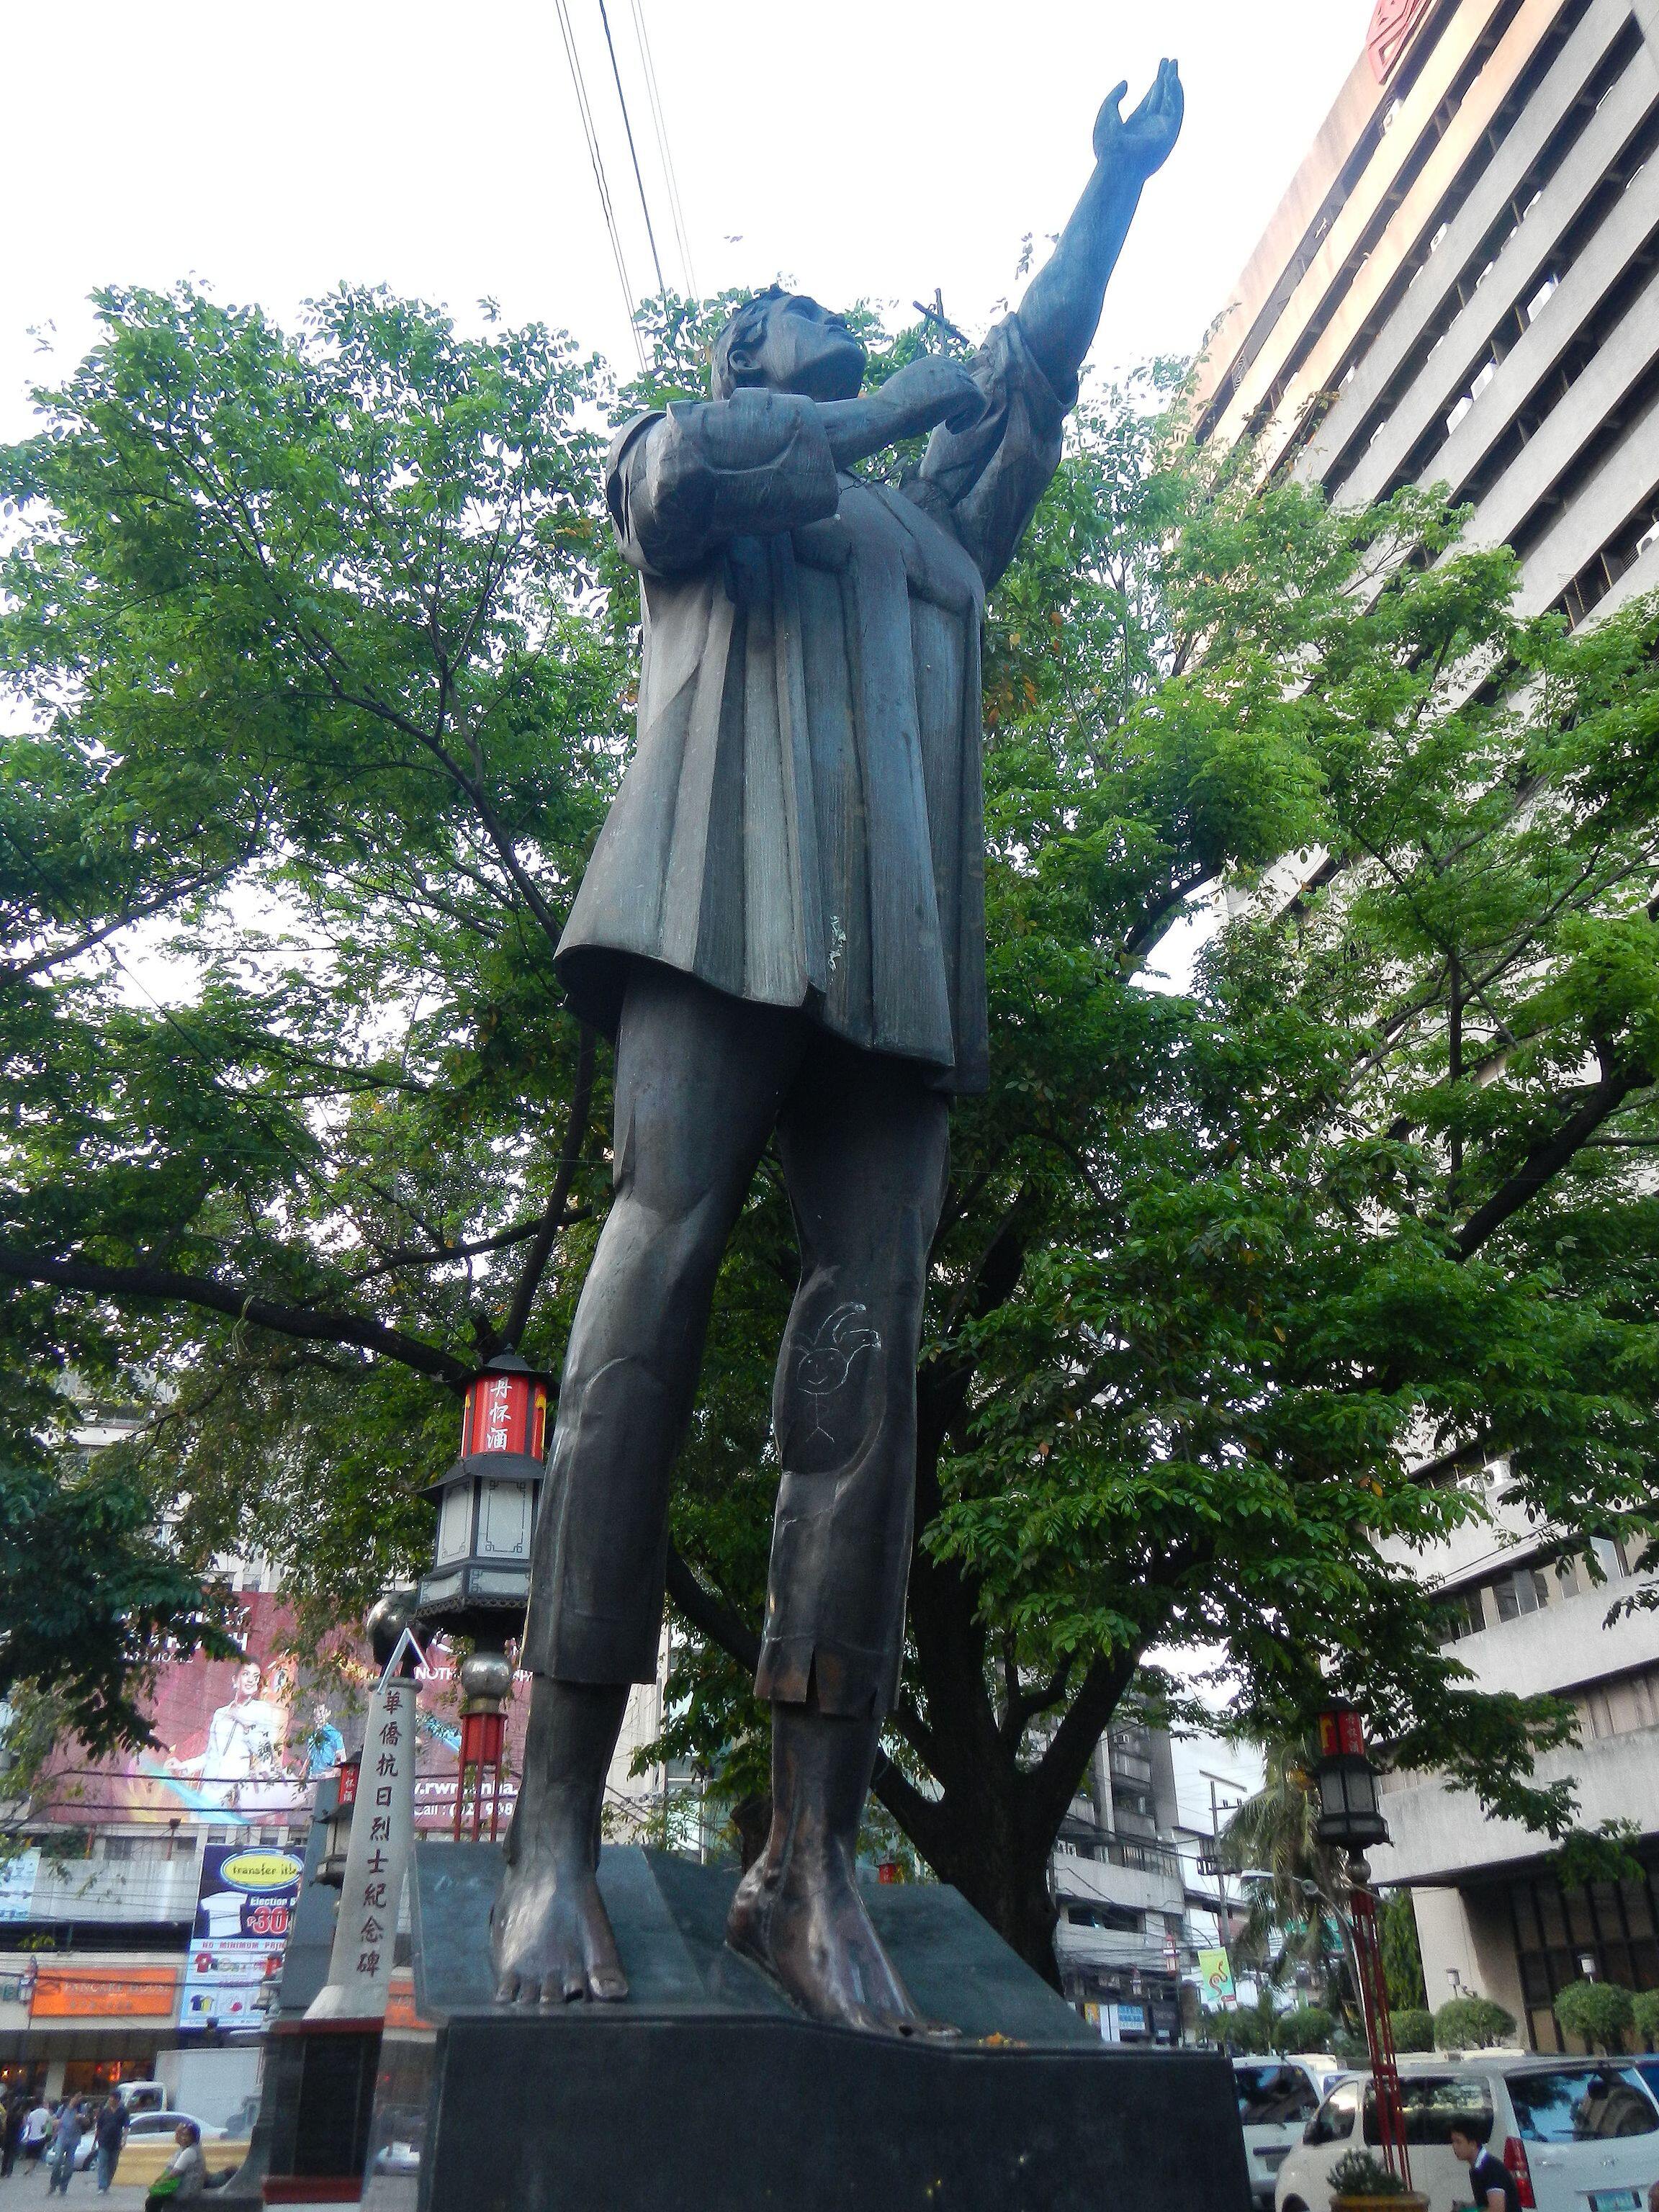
(802, 822)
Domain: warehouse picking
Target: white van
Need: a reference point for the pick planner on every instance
(1579, 2134)
(1276, 2098)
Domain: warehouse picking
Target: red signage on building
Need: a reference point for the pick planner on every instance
(1390, 34)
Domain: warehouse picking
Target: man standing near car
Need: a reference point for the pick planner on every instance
(111, 2126)
(1494, 2186)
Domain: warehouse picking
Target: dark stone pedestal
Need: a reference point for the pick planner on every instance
(707, 2092)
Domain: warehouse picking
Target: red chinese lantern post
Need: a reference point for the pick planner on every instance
(1349, 1815)
(480, 1581)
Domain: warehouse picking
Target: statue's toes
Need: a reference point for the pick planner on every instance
(607, 1983)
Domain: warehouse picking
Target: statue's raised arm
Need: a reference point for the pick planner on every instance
(992, 474)
(1061, 311)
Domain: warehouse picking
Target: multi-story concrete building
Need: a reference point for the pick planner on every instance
(1462, 286)
(1134, 1904)
(1492, 1915)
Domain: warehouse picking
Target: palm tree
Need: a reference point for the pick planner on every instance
(1302, 1888)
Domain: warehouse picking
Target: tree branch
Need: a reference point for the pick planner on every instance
(1547, 1161)
(164, 1286)
(1052, 1782)
(710, 1616)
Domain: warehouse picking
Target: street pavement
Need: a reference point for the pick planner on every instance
(26, 2188)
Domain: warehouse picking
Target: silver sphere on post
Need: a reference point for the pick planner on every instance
(486, 1681)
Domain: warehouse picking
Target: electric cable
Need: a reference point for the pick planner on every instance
(633, 150)
(676, 212)
(599, 179)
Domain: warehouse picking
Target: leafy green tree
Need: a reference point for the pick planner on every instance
(90, 1603)
(1471, 2024)
(1600, 2014)
(1402, 1957)
(1303, 2027)
(1644, 2016)
(321, 664)
(1413, 2028)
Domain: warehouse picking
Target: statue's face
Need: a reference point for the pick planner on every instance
(810, 351)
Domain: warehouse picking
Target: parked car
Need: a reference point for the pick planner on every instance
(1276, 2098)
(1579, 2134)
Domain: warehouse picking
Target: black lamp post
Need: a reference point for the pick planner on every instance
(1348, 1813)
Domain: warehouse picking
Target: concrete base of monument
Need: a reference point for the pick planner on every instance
(707, 2091)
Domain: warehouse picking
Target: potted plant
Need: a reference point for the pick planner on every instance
(1360, 2182)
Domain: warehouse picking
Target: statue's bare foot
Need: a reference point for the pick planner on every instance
(550, 1937)
(805, 1925)
(798, 1912)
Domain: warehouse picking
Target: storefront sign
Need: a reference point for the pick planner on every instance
(112, 1993)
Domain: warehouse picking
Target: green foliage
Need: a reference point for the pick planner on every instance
(1603, 1854)
(1599, 2014)
(1413, 2028)
(1402, 1959)
(1645, 2017)
(1297, 1915)
(1471, 2024)
(1361, 2173)
(1247, 2030)
(1304, 2027)
(90, 1602)
(319, 664)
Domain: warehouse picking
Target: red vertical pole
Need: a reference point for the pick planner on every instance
(1379, 2030)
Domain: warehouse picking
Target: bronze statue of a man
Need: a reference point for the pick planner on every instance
(782, 927)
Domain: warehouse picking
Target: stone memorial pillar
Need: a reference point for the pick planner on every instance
(377, 1861)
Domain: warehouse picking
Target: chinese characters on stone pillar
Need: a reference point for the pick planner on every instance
(377, 1859)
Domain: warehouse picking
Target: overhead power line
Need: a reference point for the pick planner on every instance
(597, 160)
(632, 151)
(649, 70)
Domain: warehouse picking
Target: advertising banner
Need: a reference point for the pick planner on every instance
(17, 1885)
(244, 1908)
(239, 1742)
(1215, 1975)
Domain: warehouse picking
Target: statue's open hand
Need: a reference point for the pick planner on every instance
(1143, 142)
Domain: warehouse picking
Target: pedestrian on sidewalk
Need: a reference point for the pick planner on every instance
(110, 2127)
(1495, 2187)
(37, 2133)
(11, 2133)
(64, 2144)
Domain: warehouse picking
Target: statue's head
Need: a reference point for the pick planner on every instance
(787, 342)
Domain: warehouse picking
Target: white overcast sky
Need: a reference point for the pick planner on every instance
(879, 147)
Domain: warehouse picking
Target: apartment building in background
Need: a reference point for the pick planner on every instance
(1462, 286)
(1133, 1889)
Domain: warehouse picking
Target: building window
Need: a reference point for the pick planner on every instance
(1524, 1591)
(1613, 1923)
(1462, 1613)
